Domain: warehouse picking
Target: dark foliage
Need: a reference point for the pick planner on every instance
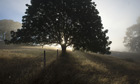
(66, 22)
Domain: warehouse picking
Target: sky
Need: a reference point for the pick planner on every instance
(116, 15)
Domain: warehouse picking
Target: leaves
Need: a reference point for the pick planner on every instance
(75, 22)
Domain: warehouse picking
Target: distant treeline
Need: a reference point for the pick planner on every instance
(6, 26)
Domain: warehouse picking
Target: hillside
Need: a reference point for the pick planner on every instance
(129, 56)
(25, 66)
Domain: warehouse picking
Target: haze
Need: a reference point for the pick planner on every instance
(117, 16)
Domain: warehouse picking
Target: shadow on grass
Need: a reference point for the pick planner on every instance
(17, 70)
(73, 68)
(118, 68)
(66, 70)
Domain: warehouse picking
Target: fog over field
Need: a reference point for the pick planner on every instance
(69, 42)
(116, 16)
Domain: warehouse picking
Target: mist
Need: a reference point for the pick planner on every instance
(117, 16)
(66, 42)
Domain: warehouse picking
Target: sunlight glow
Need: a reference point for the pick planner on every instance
(63, 41)
(55, 47)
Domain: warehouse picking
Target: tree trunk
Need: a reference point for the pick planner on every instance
(63, 46)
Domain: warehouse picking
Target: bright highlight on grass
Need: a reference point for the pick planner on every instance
(24, 65)
(55, 47)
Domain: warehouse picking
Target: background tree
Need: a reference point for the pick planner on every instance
(132, 38)
(6, 26)
(66, 22)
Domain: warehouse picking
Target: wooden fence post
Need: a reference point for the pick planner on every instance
(57, 54)
(44, 58)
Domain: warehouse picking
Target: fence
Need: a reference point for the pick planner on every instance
(45, 57)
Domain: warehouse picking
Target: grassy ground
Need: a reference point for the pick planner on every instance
(128, 56)
(22, 65)
(25, 66)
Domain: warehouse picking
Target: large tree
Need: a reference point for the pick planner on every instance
(132, 38)
(66, 22)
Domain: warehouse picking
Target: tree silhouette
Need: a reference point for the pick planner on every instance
(6, 26)
(132, 38)
(66, 22)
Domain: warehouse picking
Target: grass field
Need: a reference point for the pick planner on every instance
(128, 56)
(24, 65)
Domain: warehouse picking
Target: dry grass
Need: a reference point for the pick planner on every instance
(25, 66)
(22, 65)
(128, 56)
(108, 69)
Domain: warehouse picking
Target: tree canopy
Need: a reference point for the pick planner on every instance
(132, 38)
(6, 26)
(66, 22)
